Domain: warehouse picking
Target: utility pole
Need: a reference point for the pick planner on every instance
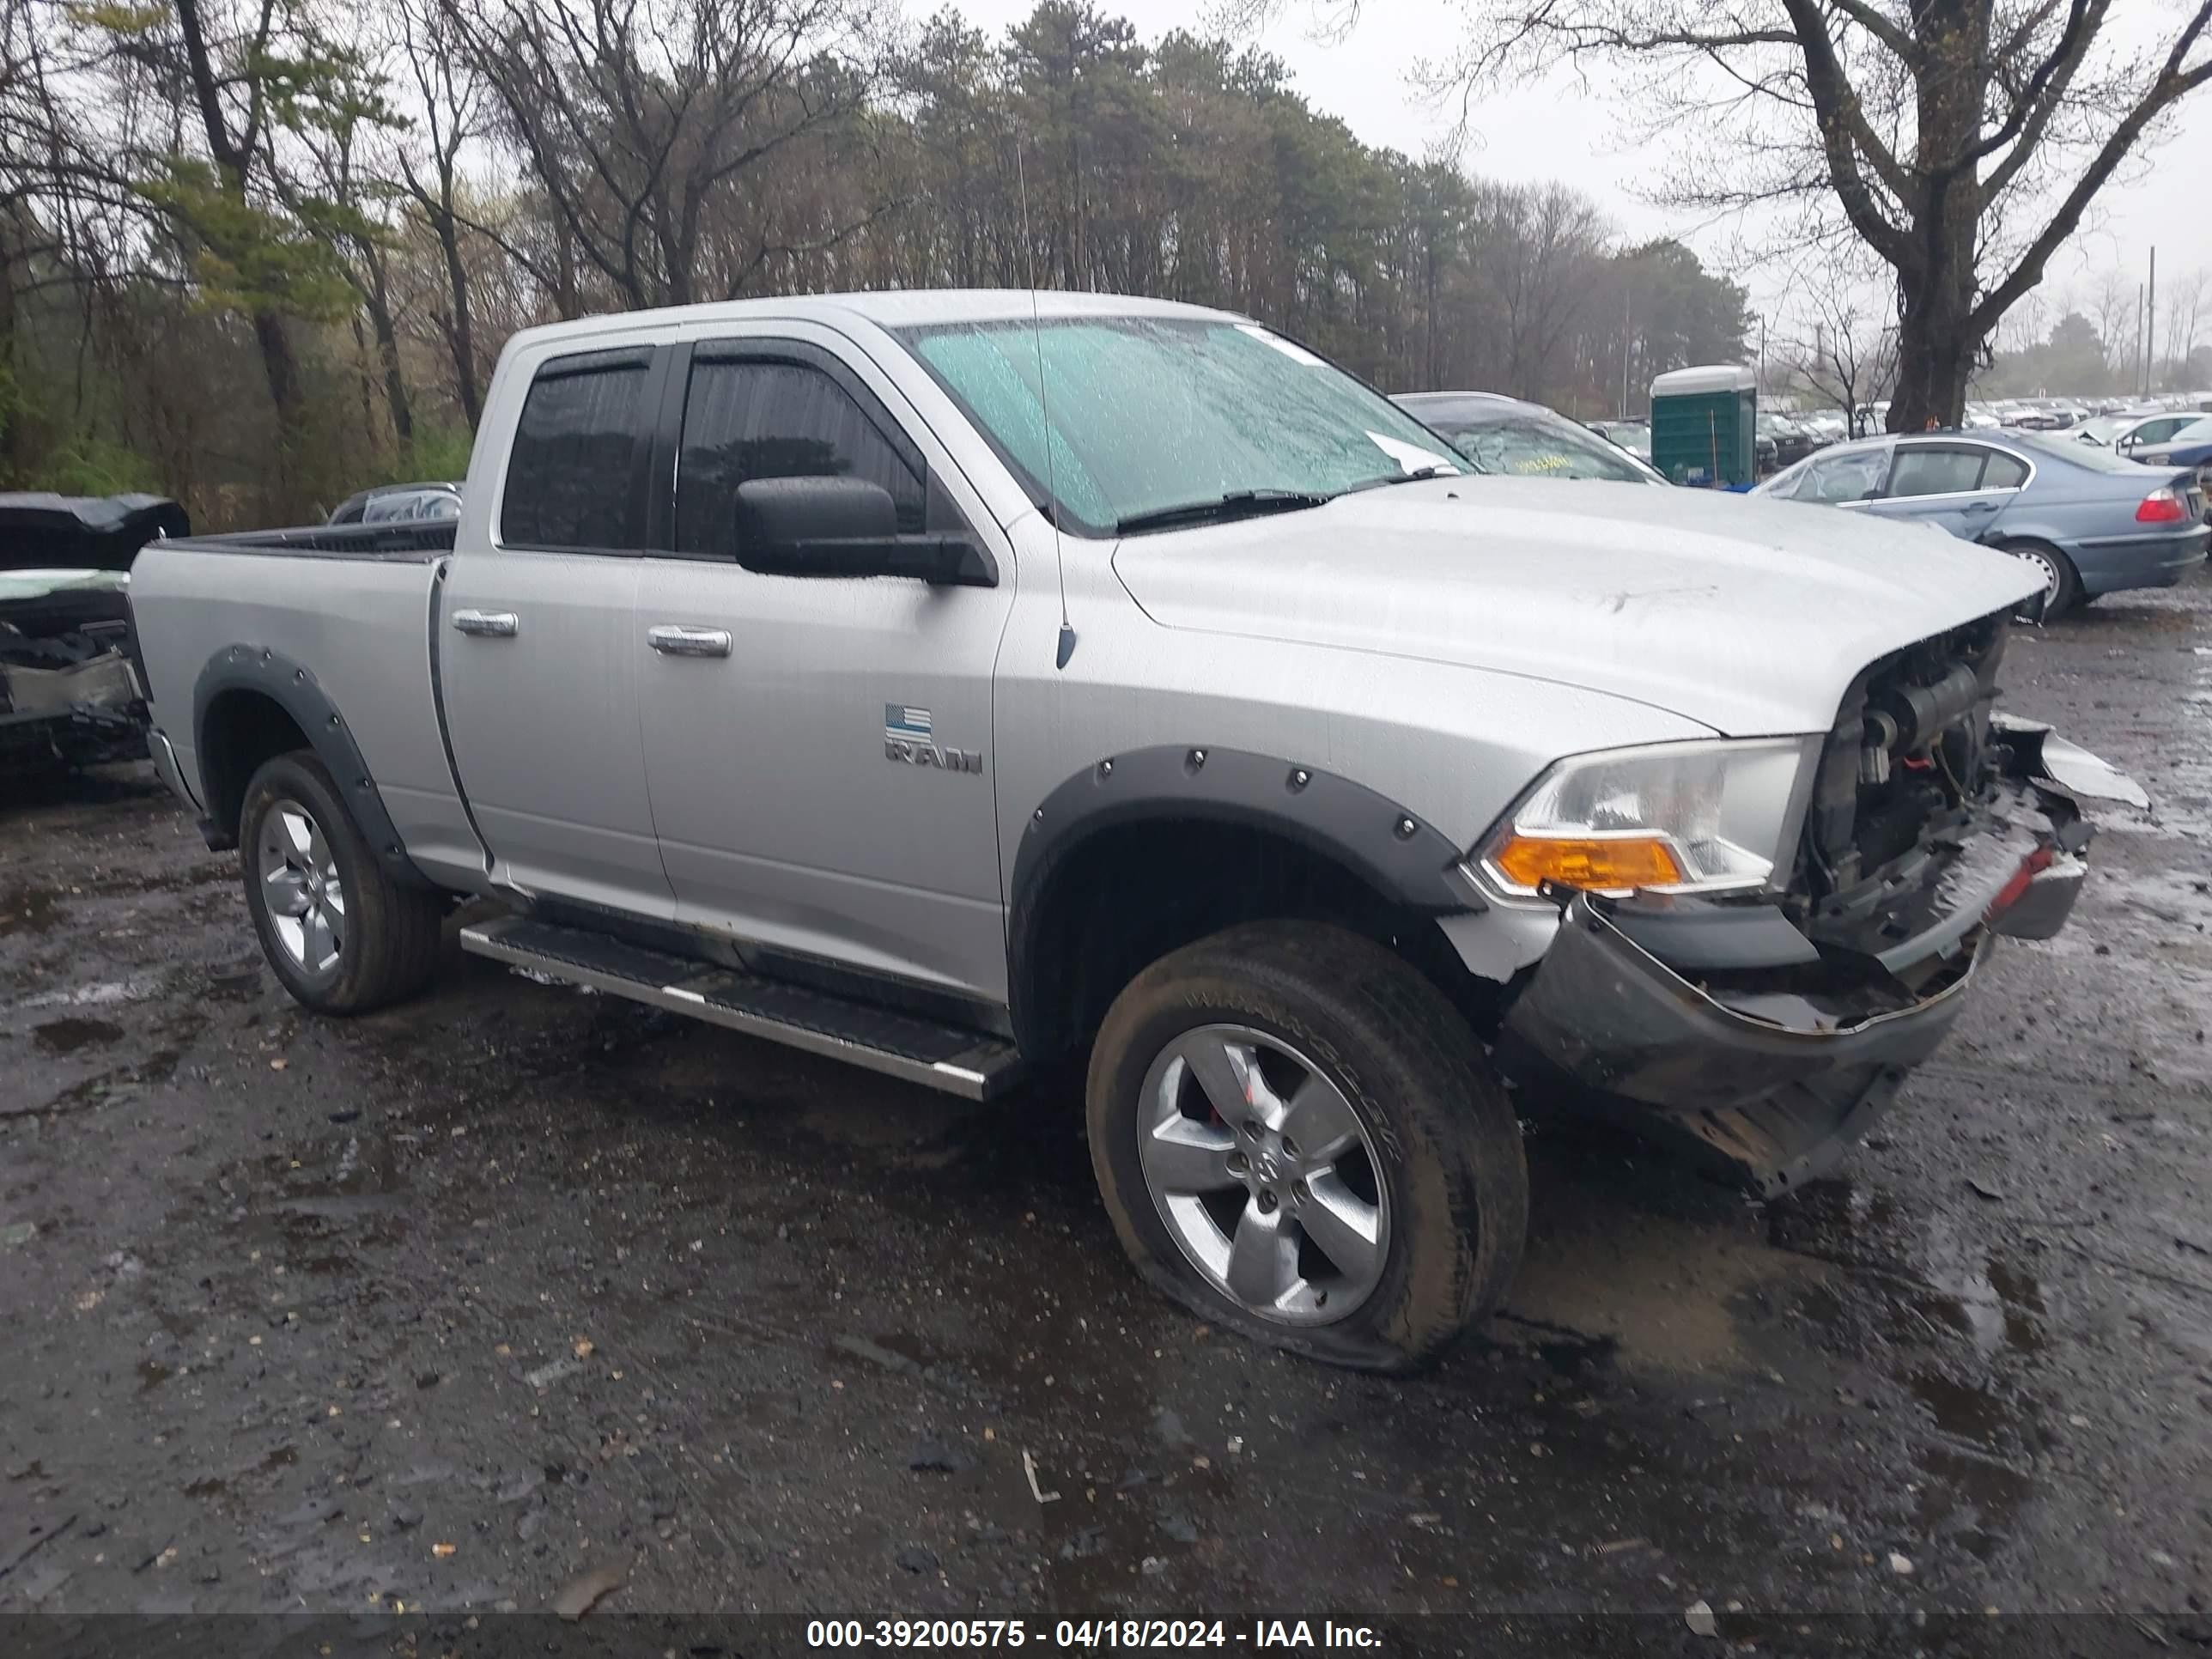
(1627, 295)
(2150, 330)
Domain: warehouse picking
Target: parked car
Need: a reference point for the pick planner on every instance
(1788, 441)
(69, 692)
(2124, 434)
(1634, 436)
(1505, 436)
(2089, 521)
(400, 503)
(2190, 447)
(957, 683)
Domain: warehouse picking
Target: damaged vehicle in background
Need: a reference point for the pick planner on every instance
(71, 692)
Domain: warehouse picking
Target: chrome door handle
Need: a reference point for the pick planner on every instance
(486, 624)
(1981, 507)
(673, 640)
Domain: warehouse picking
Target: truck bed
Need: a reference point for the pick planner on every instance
(338, 623)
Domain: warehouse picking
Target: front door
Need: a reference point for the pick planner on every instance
(536, 643)
(819, 748)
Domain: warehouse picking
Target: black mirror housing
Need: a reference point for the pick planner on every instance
(840, 526)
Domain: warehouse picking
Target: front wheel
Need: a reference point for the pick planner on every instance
(1297, 1137)
(342, 935)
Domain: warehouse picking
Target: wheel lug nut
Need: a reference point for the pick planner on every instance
(1266, 1203)
(1290, 1147)
(1236, 1163)
(1252, 1128)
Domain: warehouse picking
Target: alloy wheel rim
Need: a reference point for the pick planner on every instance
(300, 887)
(1264, 1175)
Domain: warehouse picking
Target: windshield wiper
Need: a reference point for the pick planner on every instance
(1414, 476)
(1236, 504)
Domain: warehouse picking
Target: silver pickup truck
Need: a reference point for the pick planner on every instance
(959, 683)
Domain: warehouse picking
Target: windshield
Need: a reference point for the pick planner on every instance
(1154, 413)
(1535, 444)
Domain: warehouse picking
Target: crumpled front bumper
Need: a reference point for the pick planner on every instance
(81, 714)
(1770, 1045)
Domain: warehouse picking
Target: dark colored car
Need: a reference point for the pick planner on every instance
(1505, 435)
(1788, 442)
(2190, 447)
(400, 503)
(70, 690)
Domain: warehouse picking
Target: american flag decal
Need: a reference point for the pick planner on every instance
(912, 725)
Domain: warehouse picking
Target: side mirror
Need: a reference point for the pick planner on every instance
(839, 526)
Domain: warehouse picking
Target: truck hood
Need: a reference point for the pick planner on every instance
(1747, 616)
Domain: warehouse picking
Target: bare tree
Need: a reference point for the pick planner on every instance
(640, 119)
(1844, 347)
(449, 99)
(1960, 141)
(2186, 300)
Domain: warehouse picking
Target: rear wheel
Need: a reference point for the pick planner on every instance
(1296, 1136)
(342, 935)
(2062, 588)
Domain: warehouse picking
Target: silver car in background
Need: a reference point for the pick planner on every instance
(2095, 522)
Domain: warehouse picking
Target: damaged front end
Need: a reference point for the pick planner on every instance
(1768, 1031)
(70, 693)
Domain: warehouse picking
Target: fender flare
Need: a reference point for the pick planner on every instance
(294, 688)
(1403, 857)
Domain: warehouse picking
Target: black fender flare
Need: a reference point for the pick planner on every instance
(294, 688)
(1406, 859)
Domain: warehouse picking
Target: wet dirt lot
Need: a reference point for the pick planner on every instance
(444, 1308)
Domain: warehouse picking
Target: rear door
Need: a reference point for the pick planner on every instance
(819, 747)
(537, 636)
(1963, 487)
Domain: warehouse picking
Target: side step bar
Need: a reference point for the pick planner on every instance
(969, 1064)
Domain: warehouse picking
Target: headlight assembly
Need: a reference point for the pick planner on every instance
(1677, 817)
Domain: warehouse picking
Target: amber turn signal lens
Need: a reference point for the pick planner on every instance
(1609, 865)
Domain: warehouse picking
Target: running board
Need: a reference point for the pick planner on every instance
(961, 1062)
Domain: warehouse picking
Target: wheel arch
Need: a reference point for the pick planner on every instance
(250, 703)
(1211, 838)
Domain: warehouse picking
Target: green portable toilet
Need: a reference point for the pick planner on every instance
(1704, 425)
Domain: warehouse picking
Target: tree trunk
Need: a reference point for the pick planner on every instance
(1935, 355)
(11, 394)
(461, 330)
(387, 353)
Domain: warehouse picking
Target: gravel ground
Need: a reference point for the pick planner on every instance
(446, 1308)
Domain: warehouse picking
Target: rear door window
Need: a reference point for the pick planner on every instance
(1935, 470)
(756, 416)
(2004, 472)
(572, 476)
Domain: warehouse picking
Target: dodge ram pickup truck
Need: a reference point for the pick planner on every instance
(961, 684)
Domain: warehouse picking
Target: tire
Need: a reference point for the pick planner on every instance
(342, 935)
(2062, 588)
(1437, 1178)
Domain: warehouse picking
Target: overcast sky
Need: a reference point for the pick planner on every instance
(1564, 131)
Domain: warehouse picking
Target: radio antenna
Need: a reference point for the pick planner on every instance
(1066, 647)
